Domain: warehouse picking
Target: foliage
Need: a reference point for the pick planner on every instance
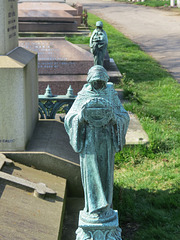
(146, 188)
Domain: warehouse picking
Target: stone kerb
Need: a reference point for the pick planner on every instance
(9, 26)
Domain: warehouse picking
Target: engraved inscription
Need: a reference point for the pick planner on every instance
(45, 51)
(12, 23)
(7, 140)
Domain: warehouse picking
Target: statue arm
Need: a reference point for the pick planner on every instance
(75, 126)
(91, 39)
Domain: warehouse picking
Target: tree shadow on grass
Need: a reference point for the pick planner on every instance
(147, 214)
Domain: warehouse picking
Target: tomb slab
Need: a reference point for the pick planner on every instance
(24, 216)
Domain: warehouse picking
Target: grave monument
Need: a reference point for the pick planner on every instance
(97, 124)
(60, 63)
(48, 17)
(18, 76)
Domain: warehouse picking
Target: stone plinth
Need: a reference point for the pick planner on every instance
(58, 56)
(8, 29)
(19, 99)
(47, 26)
(60, 83)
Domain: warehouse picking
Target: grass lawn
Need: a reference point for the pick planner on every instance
(150, 3)
(146, 184)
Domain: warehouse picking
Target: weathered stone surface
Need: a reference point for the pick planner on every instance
(60, 83)
(44, 15)
(18, 96)
(58, 56)
(47, 17)
(47, 27)
(9, 26)
(23, 6)
(135, 133)
(24, 216)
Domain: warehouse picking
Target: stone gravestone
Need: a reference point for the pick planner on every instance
(8, 29)
(97, 124)
(48, 17)
(18, 76)
(28, 213)
(60, 63)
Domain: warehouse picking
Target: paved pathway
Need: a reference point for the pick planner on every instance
(156, 31)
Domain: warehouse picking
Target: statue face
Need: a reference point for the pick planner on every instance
(98, 84)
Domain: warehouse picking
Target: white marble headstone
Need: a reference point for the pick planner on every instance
(9, 26)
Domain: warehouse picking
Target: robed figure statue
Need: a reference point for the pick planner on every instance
(97, 124)
(98, 44)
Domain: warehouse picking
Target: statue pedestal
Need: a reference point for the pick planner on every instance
(100, 230)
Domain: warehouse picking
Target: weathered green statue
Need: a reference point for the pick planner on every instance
(97, 124)
(98, 43)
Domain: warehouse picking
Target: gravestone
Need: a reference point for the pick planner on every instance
(60, 63)
(48, 17)
(23, 214)
(18, 76)
(8, 29)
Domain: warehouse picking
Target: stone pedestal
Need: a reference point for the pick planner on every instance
(102, 229)
(18, 98)
(8, 29)
(18, 80)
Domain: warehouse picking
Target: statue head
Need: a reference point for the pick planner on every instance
(97, 77)
(99, 24)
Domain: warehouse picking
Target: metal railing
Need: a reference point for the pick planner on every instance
(50, 105)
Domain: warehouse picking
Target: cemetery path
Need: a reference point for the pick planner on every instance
(156, 31)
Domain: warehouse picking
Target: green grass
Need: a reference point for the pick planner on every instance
(150, 3)
(146, 184)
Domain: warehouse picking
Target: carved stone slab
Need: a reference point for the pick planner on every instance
(58, 56)
(22, 215)
(47, 17)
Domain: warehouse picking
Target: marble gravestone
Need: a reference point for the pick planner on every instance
(18, 77)
(97, 124)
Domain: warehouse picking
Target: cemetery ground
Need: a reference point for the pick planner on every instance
(146, 184)
(151, 3)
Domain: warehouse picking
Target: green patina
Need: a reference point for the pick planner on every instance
(97, 124)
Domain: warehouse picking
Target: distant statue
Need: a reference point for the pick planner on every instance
(97, 124)
(98, 43)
